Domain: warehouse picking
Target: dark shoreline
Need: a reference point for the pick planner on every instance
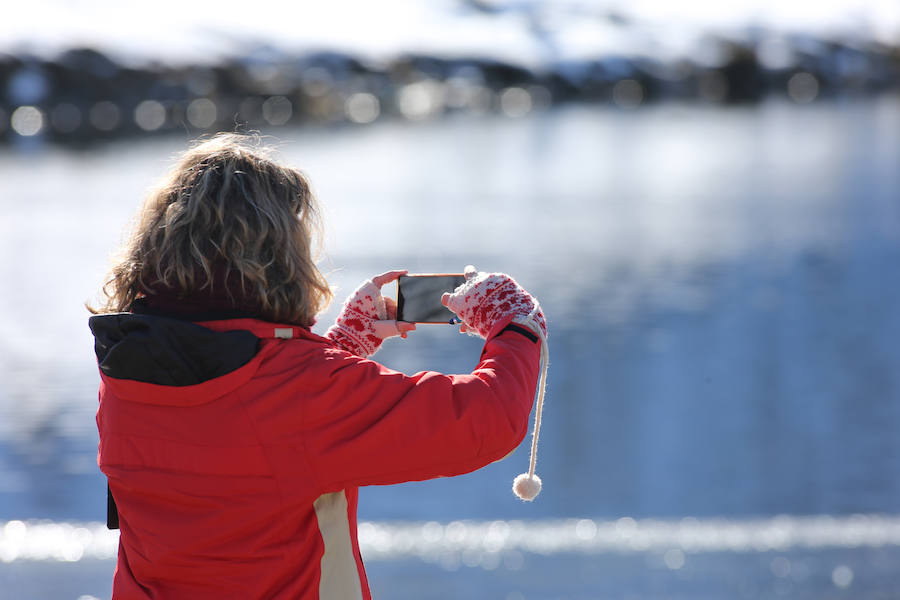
(83, 96)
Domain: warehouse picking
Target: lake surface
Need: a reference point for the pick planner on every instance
(721, 286)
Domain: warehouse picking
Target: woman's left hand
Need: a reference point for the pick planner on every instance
(367, 318)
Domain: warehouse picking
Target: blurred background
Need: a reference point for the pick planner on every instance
(704, 196)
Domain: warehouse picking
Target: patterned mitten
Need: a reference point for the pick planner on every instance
(486, 298)
(356, 329)
(483, 301)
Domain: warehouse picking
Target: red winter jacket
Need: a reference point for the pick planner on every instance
(235, 448)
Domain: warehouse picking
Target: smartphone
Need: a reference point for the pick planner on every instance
(419, 297)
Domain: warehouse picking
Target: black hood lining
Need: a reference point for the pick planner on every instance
(167, 351)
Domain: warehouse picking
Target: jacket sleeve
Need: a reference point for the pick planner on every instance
(385, 427)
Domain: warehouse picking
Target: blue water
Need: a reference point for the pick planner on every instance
(721, 288)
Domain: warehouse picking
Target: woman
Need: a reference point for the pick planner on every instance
(233, 438)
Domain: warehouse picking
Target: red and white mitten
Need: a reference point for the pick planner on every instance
(356, 328)
(486, 298)
(483, 301)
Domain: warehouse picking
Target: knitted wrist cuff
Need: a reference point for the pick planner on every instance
(354, 329)
(345, 338)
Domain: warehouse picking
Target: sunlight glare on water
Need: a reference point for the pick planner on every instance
(482, 541)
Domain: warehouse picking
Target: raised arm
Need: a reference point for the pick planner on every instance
(385, 427)
(395, 428)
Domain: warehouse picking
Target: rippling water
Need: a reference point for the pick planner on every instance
(721, 285)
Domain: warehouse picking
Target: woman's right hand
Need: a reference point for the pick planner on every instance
(487, 298)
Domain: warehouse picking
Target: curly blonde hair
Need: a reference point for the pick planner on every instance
(226, 206)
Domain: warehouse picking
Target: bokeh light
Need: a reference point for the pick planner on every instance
(775, 52)
(674, 558)
(781, 567)
(803, 87)
(277, 110)
(420, 100)
(27, 121)
(362, 107)
(201, 113)
(150, 115)
(105, 115)
(842, 576)
(515, 102)
(66, 117)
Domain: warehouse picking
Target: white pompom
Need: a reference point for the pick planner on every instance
(527, 487)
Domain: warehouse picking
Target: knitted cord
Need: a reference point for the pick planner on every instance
(528, 485)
